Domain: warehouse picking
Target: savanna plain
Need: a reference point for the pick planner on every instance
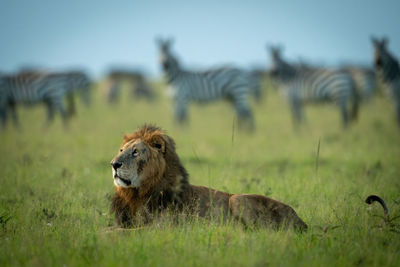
(55, 186)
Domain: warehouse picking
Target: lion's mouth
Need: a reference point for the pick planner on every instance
(127, 182)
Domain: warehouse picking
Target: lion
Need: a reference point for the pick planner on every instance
(150, 179)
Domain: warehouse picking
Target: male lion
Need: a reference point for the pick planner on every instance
(150, 179)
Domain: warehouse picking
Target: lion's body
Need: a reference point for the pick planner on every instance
(160, 182)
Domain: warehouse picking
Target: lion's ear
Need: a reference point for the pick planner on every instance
(158, 143)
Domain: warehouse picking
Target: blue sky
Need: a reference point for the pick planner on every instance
(97, 34)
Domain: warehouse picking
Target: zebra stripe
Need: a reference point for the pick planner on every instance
(388, 71)
(34, 87)
(79, 84)
(364, 81)
(309, 84)
(206, 86)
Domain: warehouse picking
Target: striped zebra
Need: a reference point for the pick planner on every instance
(388, 70)
(206, 86)
(35, 87)
(79, 85)
(139, 87)
(79, 82)
(304, 85)
(364, 81)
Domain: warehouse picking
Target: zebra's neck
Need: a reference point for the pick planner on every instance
(288, 73)
(285, 71)
(172, 69)
(390, 70)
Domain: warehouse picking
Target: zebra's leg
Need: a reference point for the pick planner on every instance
(136, 89)
(50, 112)
(343, 109)
(146, 92)
(113, 91)
(243, 111)
(355, 105)
(14, 115)
(53, 105)
(181, 111)
(63, 112)
(3, 110)
(3, 117)
(397, 109)
(71, 107)
(297, 111)
(256, 89)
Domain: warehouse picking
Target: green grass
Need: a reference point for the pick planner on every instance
(55, 185)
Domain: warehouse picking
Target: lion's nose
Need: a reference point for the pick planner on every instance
(116, 165)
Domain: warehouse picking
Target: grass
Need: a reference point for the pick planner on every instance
(55, 185)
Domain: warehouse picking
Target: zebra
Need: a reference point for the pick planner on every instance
(79, 84)
(310, 84)
(388, 71)
(34, 87)
(206, 86)
(79, 81)
(138, 84)
(364, 81)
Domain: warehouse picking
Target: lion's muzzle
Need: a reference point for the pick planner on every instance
(118, 179)
(116, 165)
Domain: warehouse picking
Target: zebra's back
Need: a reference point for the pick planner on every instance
(316, 85)
(211, 85)
(31, 88)
(25, 88)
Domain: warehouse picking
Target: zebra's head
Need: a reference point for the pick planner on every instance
(168, 61)
(279, 67)
(381, 53)
(275, 53)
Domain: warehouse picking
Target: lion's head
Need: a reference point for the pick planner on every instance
(143, 159)
(147, 174)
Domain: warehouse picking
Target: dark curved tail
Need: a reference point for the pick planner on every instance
(370, 199)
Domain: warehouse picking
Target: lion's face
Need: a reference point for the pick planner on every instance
(137, 161)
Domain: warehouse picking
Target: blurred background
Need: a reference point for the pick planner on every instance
(96, 34)
(53, 51)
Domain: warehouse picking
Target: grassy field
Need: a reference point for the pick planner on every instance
(55, 185)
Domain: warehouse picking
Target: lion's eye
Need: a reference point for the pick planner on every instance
(134, 153)
(120, 150)
(158, 146)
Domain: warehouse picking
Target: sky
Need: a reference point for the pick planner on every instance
(98, 34)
